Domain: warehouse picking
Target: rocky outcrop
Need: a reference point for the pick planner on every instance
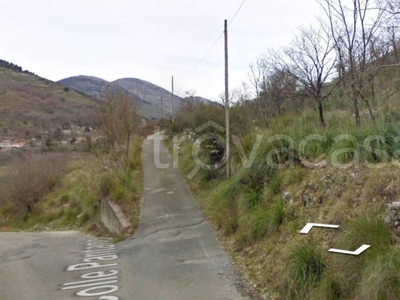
(393, 217)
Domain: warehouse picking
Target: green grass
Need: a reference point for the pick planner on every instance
(275, 184)
(279, 212)
(372, 275)
(222, 207)
(76, 201)
(375, 274)
(306, 267)
(249, 198)
(381, 279)
(255, 224)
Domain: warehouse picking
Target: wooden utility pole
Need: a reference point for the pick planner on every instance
(172, 100)
(227, 101)
(162, 109)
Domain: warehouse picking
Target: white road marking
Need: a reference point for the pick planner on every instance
(89, 293)
(91, 280)
(100, 283)
(90, 284)
(85, 266)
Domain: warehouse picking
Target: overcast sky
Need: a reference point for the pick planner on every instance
(146, 39)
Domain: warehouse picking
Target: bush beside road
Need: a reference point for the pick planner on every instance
(63, 192)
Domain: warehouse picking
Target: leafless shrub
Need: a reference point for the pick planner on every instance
(118, 117)
(28, 179)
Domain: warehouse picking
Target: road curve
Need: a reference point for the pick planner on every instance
(174, 254)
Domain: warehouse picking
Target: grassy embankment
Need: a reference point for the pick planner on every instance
(61, 192)
(261, 209)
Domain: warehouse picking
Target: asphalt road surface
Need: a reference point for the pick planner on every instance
(173, 255)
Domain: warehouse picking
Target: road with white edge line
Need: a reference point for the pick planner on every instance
(173, 255)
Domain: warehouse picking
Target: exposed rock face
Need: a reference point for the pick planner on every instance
(286, 196)
(306, 200)
(393, 218)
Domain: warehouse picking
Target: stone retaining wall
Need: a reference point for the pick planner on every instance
(113, 218)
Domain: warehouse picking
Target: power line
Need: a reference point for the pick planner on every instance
(237, 12)
(216, 41)
(205, 55)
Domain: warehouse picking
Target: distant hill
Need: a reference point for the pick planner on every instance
(153, 93)
(149, 94)
(31, 106)
(97, 88)
(93, 86)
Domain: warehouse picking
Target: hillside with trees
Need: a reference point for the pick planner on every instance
(13, 67)
(32, 107)
(315, 139)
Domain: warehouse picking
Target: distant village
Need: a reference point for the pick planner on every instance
(60, 137)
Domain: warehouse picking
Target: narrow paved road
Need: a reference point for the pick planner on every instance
(172, 256)
(32, 264)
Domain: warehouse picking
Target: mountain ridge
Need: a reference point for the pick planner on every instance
(151, 95)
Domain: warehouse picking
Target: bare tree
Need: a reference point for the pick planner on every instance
(277, 87)
(234, 96)
(390, 6)
(129, 116)
(394, 40)
(310, 60)
(257, 81)
(255, 78)
(117, 117)
(245, 94)
(355, 26)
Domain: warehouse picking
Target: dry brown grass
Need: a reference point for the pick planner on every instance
(27, 180)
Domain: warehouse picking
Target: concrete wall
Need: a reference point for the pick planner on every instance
(113, 218)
